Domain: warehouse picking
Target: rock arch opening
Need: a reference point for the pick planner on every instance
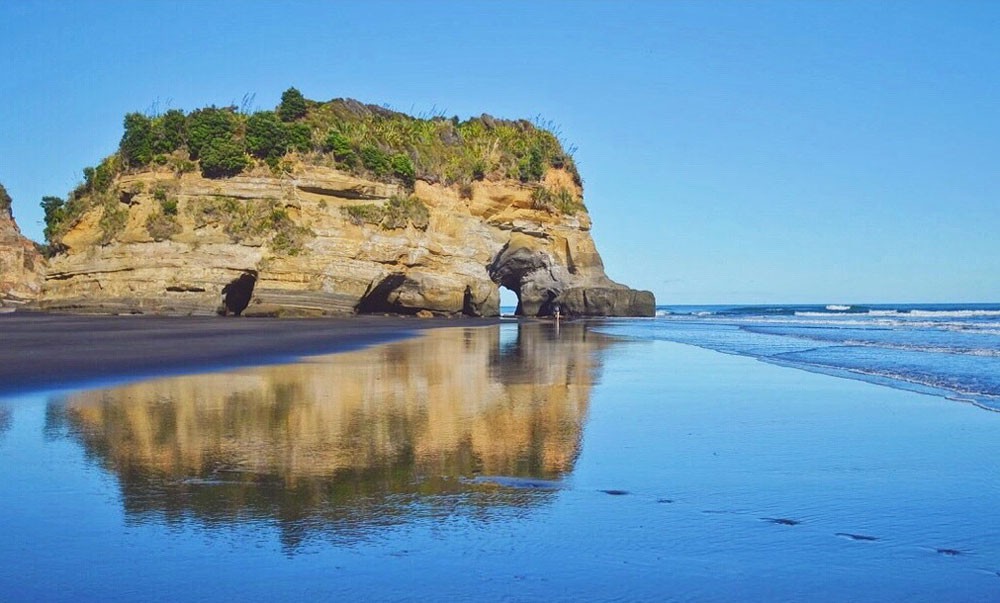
(510, 301)
(531, 273)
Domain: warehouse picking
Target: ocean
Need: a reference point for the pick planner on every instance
(951, 350)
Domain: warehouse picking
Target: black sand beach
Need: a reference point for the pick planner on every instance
(55, 351)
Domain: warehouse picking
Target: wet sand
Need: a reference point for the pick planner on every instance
(49, 351)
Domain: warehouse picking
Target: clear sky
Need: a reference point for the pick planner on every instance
(732, 152)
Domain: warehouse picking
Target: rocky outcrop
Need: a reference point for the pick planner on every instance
(320, 241)
(21, 265)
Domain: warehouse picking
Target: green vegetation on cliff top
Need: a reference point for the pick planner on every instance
(365, 140)
(5, 200)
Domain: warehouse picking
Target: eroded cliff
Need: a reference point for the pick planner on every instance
(322, 227)
(21, 265)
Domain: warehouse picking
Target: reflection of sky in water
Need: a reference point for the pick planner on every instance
(344, 444)
(679, 473)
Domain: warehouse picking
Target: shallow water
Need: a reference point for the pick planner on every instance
(503, 463)
(945, 349)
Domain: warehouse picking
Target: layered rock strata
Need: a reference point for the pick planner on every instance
(319, 241)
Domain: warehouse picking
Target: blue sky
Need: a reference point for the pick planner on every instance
(754, 152)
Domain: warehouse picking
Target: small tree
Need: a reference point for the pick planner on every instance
(99, 179)
(374, 159)
(266, 136)
(55, 213)
(170, 131)
(293, 105)
(402, 168)
(299, 137)
(207, 125)
(340, 146)
(222, 158)
(530, 167)
(137, 141)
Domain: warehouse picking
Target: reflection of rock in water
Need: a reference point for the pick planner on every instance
(349, 442)
(5, 420)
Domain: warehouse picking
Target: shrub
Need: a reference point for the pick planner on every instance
(402, 168)
(365, 139)
(169, 207)
(374, 159)
(222, 158)
(293, 105)
(338, 145)
(299, 137)
(210, 125)
(55, 215)
(465, 191)
(213, 211)
(287, 237)
(243, 220)
(160, 193)
(104, 174)
(266, 136)
(396, 213)
(479, 168)
(399, 211)
(137, 141)
(162, 226)
(112, 221)
(169, 131)
(167, 204)
(561, 200)
(530, 167)
(368, 213)
(183, 166)
(99, 179)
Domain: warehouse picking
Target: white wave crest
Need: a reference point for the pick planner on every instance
(837, 308)
(932, 349)
(953, 313)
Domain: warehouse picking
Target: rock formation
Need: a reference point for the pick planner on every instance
(452, 264)
(21, 265)
(434, 222)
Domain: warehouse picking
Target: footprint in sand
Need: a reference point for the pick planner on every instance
(781, 521)
(615, 492)
(861, 537)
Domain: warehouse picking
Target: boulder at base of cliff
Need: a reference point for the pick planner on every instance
(606, 301)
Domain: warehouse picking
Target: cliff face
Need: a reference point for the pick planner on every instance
(317, 240)
(21, 265)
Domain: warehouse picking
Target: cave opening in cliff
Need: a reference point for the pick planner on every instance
(237, 293)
